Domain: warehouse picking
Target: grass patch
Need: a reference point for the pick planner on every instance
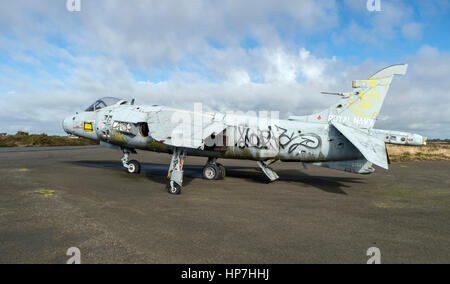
(45, 192)
(434, 150)
(23, 139)
(403, 193)
(400, 197)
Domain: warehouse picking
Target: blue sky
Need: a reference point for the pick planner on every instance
(229, 55)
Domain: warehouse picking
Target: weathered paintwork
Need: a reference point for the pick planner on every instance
(341, 137)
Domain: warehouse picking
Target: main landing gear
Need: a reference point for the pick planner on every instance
(176, 171)
(213, 170)
(133, 166)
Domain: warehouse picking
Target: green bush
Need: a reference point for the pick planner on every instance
(22, 133)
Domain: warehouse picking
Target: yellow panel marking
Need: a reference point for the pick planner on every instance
(88, 127)
(367, 101)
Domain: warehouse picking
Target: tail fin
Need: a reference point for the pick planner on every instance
(360, 107)
(366, 100)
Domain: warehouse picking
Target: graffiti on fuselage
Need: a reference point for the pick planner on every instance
(279, 139)
(256, 138)
(293, 141)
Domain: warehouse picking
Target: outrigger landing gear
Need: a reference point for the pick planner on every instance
(176, 171)
(264, 165)
(213, 170)
(133, 166)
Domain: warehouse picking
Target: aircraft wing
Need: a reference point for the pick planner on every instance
(126, 114)
(372, 148)
(184, 129)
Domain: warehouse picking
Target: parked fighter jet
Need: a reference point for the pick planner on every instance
(341, 137)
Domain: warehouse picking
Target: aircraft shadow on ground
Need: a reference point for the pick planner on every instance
(158, 173)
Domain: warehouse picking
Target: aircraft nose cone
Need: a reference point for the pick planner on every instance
(67, 125)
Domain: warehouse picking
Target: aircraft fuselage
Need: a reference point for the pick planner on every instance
(284, 140)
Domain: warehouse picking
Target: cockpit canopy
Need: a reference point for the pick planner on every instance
(103, 102)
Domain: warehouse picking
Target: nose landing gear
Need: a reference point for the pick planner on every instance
(133, 166)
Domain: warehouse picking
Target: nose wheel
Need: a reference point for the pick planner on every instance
(133, 166)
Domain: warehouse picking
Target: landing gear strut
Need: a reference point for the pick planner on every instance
(213, 170)
(133, 166)
(176, 171)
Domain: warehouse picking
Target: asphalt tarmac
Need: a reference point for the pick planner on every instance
(52, 199)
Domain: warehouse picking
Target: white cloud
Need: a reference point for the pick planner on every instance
(412, 31)
(377, 28)
(95, 52)
(279, 67)
(238, 76)
(421, 94)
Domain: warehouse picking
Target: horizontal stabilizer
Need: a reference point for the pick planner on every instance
(372, 148)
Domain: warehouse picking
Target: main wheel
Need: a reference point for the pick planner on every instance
(222, 171)
(174, 188)
(134, 167)
(211, 172)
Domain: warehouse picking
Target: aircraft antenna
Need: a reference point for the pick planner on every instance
(335, 94)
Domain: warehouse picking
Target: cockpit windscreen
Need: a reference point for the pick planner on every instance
(101, 103)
